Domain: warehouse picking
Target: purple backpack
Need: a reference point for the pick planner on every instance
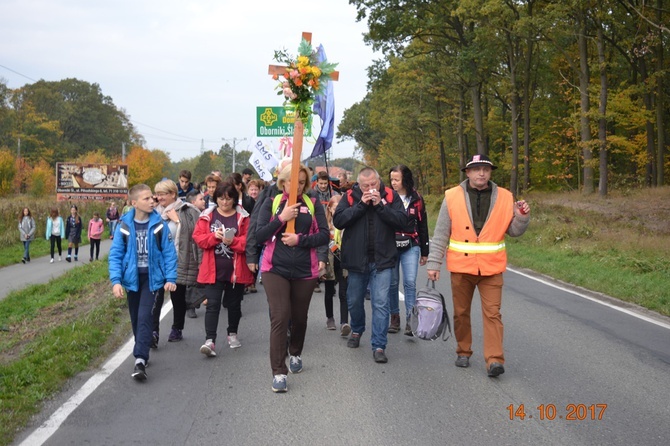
(429, 316)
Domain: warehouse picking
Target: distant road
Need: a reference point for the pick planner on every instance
(39, 270)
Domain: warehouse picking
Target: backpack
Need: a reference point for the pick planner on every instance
(429, 315)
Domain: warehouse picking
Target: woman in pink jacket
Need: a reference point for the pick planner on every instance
(95, 229)
(221, 233)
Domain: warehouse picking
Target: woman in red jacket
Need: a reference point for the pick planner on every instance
(221, 232)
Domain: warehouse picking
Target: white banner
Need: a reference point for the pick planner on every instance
(262, 158)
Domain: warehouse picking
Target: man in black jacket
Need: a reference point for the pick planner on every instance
(370, 214)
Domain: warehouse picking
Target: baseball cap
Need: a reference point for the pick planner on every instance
(479, 160)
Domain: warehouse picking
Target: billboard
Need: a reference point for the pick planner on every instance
(80, 181)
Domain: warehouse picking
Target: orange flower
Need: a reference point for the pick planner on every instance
(275, 76)
(298, 82)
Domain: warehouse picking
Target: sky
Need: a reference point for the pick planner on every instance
(184, 71)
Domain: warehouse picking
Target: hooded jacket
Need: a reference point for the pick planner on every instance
(207, 241)
(123, 255)
(388, 217)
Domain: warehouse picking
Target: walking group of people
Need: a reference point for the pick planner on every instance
(58, 228)
(357, 240)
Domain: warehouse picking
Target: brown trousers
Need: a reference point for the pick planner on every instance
(490, 291)
(289, 303)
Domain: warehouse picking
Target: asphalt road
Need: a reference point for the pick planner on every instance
(567, 357)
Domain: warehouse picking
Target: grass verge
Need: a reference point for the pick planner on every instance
(49, 334)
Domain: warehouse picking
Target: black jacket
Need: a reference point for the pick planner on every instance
(417, 222)
(295, 262)
(352, 218)
(253, 248)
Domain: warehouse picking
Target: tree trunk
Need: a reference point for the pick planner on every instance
(478, 115)
(443, 156)
(660, 103)
(602, 114)
(584, 121)
(514, 111)
(650, 168)
(462, 144)
(526, 112)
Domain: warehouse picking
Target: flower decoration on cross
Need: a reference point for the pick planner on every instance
(301, 78)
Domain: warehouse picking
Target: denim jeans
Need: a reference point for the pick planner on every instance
(379, 282)
(26, 249)
(140, 307)
(409, 260)
(112, 227)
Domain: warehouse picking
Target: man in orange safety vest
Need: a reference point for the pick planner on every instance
(471, 228)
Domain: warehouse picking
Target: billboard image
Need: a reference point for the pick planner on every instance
(79, 181)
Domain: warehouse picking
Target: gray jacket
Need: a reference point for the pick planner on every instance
(27, 228)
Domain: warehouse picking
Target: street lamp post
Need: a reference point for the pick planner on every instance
(235, 141)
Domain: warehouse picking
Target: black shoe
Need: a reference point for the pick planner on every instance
(23, 260)
(68, 259)
(28, 258)
(354, 341)
(495, 369)
(408, 330)
(154, 339)
(139, 373)
(191, 313)
(380, 356)
(463, 361)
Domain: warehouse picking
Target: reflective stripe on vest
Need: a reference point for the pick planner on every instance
(476, 248)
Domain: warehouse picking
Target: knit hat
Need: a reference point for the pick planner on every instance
(479, 160)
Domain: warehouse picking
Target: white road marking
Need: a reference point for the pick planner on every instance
(47, 429)
(593, 299)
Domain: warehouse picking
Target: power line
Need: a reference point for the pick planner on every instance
(16, 72)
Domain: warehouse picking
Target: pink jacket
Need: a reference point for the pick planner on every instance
(95, 228)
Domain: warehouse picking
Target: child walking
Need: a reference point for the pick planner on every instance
(95, 229)
(73, 228)
(27, 232)
(142, 260)
(55, 230)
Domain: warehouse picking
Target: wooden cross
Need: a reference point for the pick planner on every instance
(298, 131)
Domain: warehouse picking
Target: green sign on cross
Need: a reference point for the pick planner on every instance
(277, 122)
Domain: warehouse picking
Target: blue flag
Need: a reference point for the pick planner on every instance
(324, 106)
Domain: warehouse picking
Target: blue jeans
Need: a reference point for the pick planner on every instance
(379, 282)
(26, 249)
(140, 306)
(112, 227)
(409, 260)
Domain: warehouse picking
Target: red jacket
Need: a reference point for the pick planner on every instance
(206, 240)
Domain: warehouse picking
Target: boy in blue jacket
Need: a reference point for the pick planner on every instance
(142, 260)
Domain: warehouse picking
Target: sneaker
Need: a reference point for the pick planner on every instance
(495, 369)
(23, 260)
(91, 259)
(330, 324)
(139, 372)
(52, 260)
(175, 335)
(233, 341)
(76, 259)
(208, 348)
(252, 289)
(191, 313)
(59, 259)
(462, 361)
(246, 290)
(408, 330)
(68, 259)
(354, 341)
(279, 384)
(380, 356)
(154, 339)
(345, 329)
(295, 364)
(317, 288)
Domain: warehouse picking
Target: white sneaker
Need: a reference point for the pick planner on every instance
(59, 259)
(233, 341)
(208, 348)
(52, 260)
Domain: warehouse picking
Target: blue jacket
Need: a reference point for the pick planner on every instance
(50, 227)
(123, 255)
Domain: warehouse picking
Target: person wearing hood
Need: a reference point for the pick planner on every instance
(221, 233)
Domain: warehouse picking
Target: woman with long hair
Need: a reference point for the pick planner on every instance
(55, 231)
(73, 227)
(412, 244)
(26, 232)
